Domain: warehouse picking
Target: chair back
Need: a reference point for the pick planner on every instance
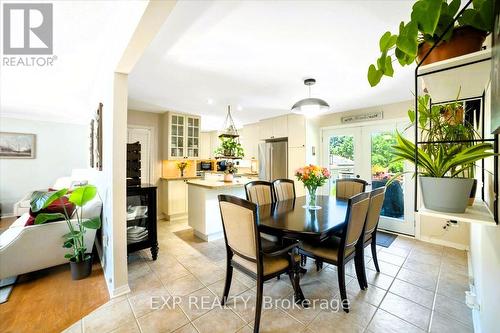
(376, 202)
(260, 192)
(239, 222)
(284, 189)
(356, 216)
(349, 187)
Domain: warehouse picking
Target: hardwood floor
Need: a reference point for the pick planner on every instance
(49, 301)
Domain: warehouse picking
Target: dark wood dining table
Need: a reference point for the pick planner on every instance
(289, 219)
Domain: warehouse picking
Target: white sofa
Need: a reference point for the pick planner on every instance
(23, 206)
(27, 249)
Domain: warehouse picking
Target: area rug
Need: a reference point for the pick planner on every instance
(385, 239)
(6, 286)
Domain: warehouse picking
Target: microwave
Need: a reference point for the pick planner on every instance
(204, 166)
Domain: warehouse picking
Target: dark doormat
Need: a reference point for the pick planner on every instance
(385, 239)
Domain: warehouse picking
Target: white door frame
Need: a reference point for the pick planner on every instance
(408, 227)
(153, 146)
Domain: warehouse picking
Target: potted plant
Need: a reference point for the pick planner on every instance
(429, 20)
(229, 147)
(312, 176)
(80, 259)
(182, 165)
(440, 168)
(230, 171)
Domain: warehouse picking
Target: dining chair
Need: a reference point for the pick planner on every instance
(261, 193)
(377, 197)
(284, 189)
(251, 254)
(348, 187)
(340, 250)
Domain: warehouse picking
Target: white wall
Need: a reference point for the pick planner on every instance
(59, 149)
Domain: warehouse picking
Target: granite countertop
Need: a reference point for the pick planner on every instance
(181, 178)
(215, 184)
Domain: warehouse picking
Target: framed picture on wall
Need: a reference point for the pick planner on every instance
(17, 145)
(495, 73)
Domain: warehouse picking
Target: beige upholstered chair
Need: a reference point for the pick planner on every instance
(261, 193)
(346, 188)
(249, 253)
(377, 197)
(284, 189)
(338, 251)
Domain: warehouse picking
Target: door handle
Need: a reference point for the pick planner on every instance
(357, 176)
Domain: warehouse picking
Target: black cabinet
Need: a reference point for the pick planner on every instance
(141, 219)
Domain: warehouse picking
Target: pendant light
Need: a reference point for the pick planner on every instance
(310, 106)
(229, 128)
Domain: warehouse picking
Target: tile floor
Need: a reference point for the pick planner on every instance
(420, 289)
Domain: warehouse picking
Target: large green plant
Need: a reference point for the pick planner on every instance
(229, 147)
(446, 162)
(74, 240)
(429, 20)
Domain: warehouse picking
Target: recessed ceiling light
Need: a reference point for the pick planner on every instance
(239, 108)
(210, 101)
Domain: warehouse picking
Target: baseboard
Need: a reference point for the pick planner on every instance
(119, 291)
(208, 238)
(432, 240)
(7, 215)
(176, 217)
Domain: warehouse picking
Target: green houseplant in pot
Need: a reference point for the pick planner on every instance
(229, 147)
(429, 20)
(80, 259)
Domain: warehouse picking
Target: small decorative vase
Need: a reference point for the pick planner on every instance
(228, 177)
(311, 198)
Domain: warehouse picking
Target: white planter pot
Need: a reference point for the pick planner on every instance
(449, 195)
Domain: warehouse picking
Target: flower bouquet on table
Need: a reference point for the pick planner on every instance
(182, 165)
(231, 169)
(312, 176)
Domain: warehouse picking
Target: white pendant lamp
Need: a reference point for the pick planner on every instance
(310, 106)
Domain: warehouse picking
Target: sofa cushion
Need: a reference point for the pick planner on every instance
(57, 206)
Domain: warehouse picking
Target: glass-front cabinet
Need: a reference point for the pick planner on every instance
(183, 136)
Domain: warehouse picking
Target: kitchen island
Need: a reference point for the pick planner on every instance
(203, 204)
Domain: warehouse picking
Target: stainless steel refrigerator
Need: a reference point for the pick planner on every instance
(273, 160)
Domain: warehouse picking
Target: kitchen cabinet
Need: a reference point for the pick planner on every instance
(273, 128)
(177, 198)
(296, 159)
(205, 145)
(181, 135)
(296, 130)
(249, 138)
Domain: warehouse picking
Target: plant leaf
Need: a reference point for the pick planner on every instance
(374, 75)
(45, 217)
(389, 71)
(93, 223)
(387, 41)
(81, 195)
(407, 40)
(42, 199)
(426, 14)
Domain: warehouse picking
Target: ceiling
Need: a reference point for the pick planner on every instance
(254, 55)
(89, 36)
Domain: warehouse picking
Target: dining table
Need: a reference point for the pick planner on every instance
(293, 220)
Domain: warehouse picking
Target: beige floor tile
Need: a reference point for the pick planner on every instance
(163, 320)
(278, 288)
(244, 305)
(109, 317)
(245, 329)
(245, 279)
(143, 302)
(416, 294)
(390, 258)
(75, 328)
(171, 272)
(386, 268)
(208, 273)
(422, 280)
(219, 320)
(373, 295)
(303, 315)
(184, 286)
(454, 309)
(426, 258)
(143, 283)
(131, 327)
(417, 266)
(236, 287)
(403, 242)
(443, 324)
(278, 321)
(398, 251)
(198, 303)
(453, 289)
(406, 310)
(379, 279)
(189, 328)
(384, 322)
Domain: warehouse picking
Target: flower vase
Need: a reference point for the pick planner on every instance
(228, 177)
(311, 198)
(182, 173)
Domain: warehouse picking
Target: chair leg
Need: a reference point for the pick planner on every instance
(258, 305)
(303, 260)
(359, 271)
(319, 265)
(227, 285)
(343, 292)
(374, 252)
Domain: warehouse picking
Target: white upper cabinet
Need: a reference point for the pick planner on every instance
(273, 128)
(182, 136)
(296, 130)
(205, 145)
(250, 139)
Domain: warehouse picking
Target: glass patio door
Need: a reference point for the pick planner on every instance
(365, 152)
